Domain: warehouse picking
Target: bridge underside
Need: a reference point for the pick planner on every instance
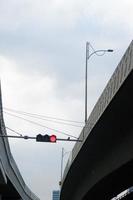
(112, 184)
(104, 164)
(8, 192)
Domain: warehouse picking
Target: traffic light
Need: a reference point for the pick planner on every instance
(53, 138)
(46, 138)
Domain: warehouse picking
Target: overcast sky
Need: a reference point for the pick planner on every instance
(42, 66)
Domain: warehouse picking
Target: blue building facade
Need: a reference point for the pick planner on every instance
(56, 195)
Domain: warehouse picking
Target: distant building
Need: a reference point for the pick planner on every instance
(56, 195)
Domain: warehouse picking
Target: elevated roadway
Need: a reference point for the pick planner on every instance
(12, 185)
(102, 165)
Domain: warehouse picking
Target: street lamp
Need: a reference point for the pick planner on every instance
(63, 153)
(100, 52)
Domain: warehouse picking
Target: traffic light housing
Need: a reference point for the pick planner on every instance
(46, 138)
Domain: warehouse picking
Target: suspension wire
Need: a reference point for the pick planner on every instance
(92, 47)
(14, 131)
(43, 116)
(38, 124)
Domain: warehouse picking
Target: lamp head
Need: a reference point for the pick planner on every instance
(110, 50)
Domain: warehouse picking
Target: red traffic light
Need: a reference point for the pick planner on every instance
(53, 138)
(46, 138)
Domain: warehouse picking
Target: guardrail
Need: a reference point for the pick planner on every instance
(123, 194)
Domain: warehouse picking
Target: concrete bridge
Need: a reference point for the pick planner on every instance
(102, 165)
(12, 185)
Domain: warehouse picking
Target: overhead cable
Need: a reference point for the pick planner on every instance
(43, 116)
(38, 124)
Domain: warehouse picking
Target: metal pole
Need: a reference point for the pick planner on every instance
(67, 140)
(27, 137)
(62, 154)
(86, 66)
(19, 137)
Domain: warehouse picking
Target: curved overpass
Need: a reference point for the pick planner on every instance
(12, 185)
(101, 166)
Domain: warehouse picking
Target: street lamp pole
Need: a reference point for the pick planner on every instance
(63, 153)
(86, 74)
(88, 55)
